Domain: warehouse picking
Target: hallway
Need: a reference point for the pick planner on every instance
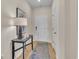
(42, 50)
(52, 24)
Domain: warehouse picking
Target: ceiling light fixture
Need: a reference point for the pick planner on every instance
(38, 0)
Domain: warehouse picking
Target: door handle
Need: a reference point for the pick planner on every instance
(54, 33)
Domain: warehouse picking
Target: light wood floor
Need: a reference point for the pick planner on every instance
(28, 51)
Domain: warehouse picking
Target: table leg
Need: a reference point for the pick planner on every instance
(23, 50)
(32, 45)
(13, 53)
(32, 41)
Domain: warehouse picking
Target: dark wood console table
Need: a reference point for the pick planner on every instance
(23, 41)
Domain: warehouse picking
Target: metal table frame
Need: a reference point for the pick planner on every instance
(23, 41)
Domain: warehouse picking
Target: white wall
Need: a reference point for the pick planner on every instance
(43, 11)
(8, 32)
(71, 29)
(62, 35)
(67, 29)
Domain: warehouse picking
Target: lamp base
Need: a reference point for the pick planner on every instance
(20, 37)
(20, 33)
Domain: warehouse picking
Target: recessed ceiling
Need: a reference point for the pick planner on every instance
(39, 3)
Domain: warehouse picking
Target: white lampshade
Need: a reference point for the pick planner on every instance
(20, 21)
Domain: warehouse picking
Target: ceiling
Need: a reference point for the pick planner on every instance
(42, 3)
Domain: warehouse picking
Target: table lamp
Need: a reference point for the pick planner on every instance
(19, 22)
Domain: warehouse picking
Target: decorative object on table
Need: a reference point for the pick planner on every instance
(20, 22)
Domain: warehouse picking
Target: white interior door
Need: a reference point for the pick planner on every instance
(41, 34)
